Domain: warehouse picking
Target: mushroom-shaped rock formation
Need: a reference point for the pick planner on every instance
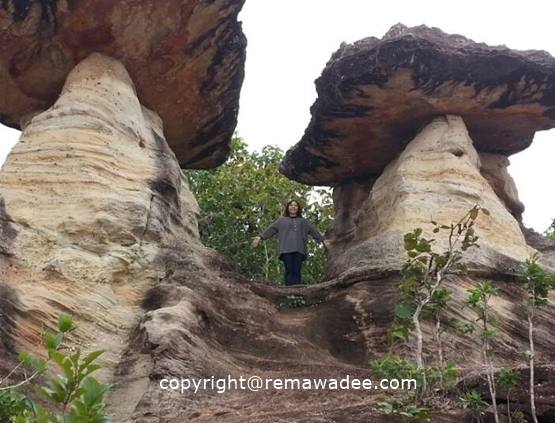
(94, 207)
(417, 127)
(93, 201)
(375, 95)
(96, 219)
(185, 58)
(437, 177)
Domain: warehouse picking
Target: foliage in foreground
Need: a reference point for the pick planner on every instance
(537, 284)
(424, 297)
(550, 232)
(76, 395)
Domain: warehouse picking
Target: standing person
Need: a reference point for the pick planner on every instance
(292, 230)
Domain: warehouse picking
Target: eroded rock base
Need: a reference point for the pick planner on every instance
(437, 177)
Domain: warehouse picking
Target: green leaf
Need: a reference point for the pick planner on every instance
(89, 358)
(32, 361)
(65, 322)
(92, 368)
(65, 364)
(387, 408)
(52, 342)
(404, 311)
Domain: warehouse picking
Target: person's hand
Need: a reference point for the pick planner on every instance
(327, 243)
(255, 241)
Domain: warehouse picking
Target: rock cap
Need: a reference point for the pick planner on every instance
(185, 57)
(376, 94)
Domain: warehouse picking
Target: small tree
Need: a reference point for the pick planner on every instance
(537, 285)
(508, 379)
(79, 396)
(550, 232)
(425, 271)
(412, 405)
(242, 197)
(479, 300)
(473, 401)
(438, 304)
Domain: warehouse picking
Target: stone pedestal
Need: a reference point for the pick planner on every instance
(437, 177)
(92, 200)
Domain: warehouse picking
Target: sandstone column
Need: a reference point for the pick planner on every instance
(419, 125)
(92, 193)
(436, 177)
(96, 218)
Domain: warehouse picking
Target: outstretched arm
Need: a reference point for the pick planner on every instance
(315, 233)
(268, 233)
(270, 230)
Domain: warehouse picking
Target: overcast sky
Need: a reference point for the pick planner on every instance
(289, 42)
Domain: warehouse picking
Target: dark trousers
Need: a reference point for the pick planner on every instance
(293, 263)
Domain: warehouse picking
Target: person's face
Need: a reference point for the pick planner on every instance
(293, 208)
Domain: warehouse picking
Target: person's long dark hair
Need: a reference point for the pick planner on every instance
(286, 209)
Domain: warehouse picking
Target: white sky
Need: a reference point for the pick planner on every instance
(289, 42)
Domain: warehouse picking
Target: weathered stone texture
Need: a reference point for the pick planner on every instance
(437, 177)
(186, 59)
(375, 95)
(92, 200)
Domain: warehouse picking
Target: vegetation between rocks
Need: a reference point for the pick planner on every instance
(76, 396)
(424, 297)
(240, 198)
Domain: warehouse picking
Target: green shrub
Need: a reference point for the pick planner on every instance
(12, 404)
(473, 401)
(428, 379)
(408, 412)
(77, 395)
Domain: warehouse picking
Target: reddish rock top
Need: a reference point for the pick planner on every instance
(374, 95)
(186, 58)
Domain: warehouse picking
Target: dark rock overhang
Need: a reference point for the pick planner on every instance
(374, 95)
(186, 59)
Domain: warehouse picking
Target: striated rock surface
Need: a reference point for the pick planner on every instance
(96, 219)
(186, 59)
(206, 321)
(437, 177)
(375, 95)
(494, 168)
(224, 326)
(93, 199)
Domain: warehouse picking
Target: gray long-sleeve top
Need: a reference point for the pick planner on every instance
(292, 233)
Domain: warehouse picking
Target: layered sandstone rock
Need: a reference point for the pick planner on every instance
(494, 167)
(94, 208)
(92, 197)
(417, 126)
(436, 177)
(375, 95)
(225, 326)
(186, 59)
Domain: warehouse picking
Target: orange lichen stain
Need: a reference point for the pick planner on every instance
(128, 294)
(83, 29)
(173, 43)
